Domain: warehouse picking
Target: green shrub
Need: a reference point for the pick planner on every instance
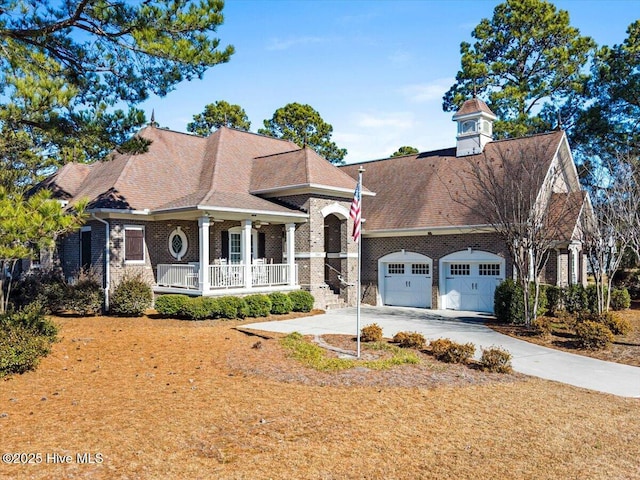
(410, 340)
(445, 350)
(131, 297)
(371, 333)
(496, 360)
(85, 297)
(196, 309)
(617, 325)
(302, 301)
(171, 305)
(620, 299)
(592, 298)
(553, 295)
(25, 337)
(46, 287)
(503, 300)
(258, 305)
(212, 306)
(232, 307)
(509, 302)
(629, 279)
(281, 303)
(593, 335)
(575, 298)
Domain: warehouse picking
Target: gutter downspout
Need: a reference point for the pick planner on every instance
(107, 276)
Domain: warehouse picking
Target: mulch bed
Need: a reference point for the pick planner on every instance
(625, 349)
(266, 361)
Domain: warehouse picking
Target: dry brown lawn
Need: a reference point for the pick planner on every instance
(177, 400)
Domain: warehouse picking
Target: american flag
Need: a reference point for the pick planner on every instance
(356, 213)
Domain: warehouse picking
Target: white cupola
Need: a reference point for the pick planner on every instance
(475, 127)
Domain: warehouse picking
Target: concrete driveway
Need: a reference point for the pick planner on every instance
(530, 359)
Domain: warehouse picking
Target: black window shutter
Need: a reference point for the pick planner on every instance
(224, 241)
(262, 245)
(134, 244)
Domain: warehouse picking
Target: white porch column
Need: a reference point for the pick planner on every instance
(204, 283)
(245, 251)
(291, 253)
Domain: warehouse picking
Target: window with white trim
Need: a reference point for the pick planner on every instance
(134, 244)
(235, 244)
(178, 244)
(235, 253)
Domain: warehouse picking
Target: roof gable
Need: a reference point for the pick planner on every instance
(301, 168)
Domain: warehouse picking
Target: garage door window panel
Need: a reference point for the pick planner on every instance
(489, 269)
(395, 269)
(420, 269)
(460, 269)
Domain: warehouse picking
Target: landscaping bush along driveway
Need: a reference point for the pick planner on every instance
(530, 359)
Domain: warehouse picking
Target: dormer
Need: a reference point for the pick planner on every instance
(475, 127)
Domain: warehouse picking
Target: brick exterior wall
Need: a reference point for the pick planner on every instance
(434, 247)
(156, 235)
(310, 243)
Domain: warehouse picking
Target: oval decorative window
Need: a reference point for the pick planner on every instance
(178, 243)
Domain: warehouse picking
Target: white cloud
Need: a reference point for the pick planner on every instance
(286, 43)
(426, 92)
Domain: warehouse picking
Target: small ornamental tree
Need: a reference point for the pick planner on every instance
(29, 225)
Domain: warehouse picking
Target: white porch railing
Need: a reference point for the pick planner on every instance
(185, 276)
(270, 274)
(224, 276)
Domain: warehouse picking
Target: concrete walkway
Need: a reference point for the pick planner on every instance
(528, 358)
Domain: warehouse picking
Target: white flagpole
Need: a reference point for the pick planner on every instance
(359, 284)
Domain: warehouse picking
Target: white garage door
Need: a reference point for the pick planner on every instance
(407, 284)
(471, 285)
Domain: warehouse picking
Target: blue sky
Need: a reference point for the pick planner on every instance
(375, 70)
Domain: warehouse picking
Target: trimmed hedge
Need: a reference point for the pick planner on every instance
(302, 301)
(258, 305)
(281, 303)
(232, 307)
(171, 305)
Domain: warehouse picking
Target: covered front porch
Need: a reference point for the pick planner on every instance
(239, 270)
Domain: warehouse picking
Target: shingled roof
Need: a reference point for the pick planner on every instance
(302, 168)
(415, 191)
(182, 171)
(473, 105)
